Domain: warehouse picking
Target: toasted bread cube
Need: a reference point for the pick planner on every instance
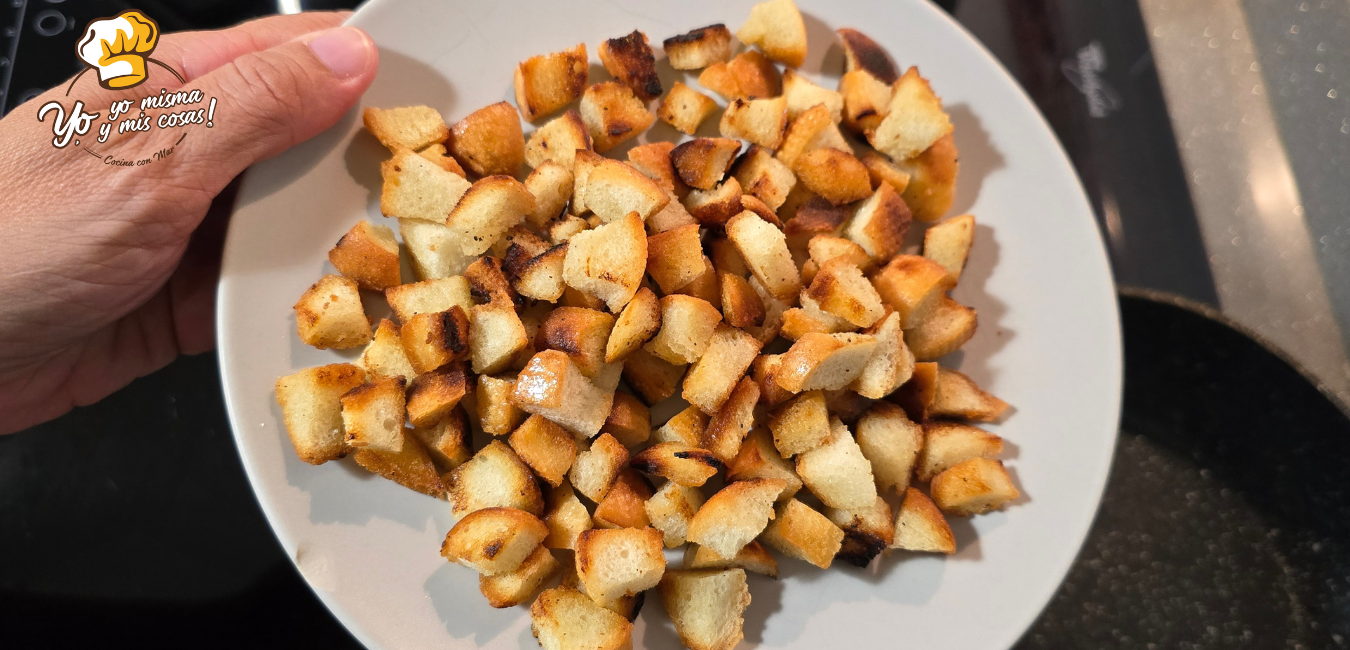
(717, 77)
(884, 172)
(330, 315)
(627, 606)
(410, 467)
(493, 541)
(867, 531)
(546, 447)
(580, 333)
(761, 121)
(948, 243)
(438, 154)
(776, 28)
(551, 185)
(705, 285)
(973, 487)
(562, 228)
(487, 210)
(639, 321)
(613, 114)
(595, 469)
(837, 472)
(675, 257)
(435, 249)
(846, 405)
(880, 224)
(671, 509)
(619, 562)
(496, 337)
(948, 444)
(773, 314)
(563, 618)
(764, 249)
(829, 323)
(434, 340)
(716, 206)
(699, 48)
(733, 420)
(384, 357)
(932, 182)
(654, 378)
(912, 286)
(943, 331)
(959, 397)
(487, 279)
(614, 189)
(725, 258)
(916, 395)
(891, 365)
(682, 464)
(920, 526)
(800, 425)
(429, 297)
(812, 129)
(447, 441)
(752, 557)
(608, 262)
(497, 413)
(673, 215)
(489, 141)
(914, 119)
(824, 248)
(861, 52)
(624, 506)
(825, 361)
(765, 177)
(707, 606)
(702, 163)
(685, 427)
(558, 141)
(539, 277)
(687, 326)
(735, 515)
(840, 289)
(552, 386)
(814, 218)
(434, 395)
(547, 82)
(800, 532)
(759, 459)
(416, 188)
(373, 414)
(836, 176)
(629, 58)
(765, 370)
(410, 127)
(311, 406)
(729, 353)
(566, 517)
(368, 254)
(685, 108)
(629, 421)
(511, 589)
(495, 476)
(654, 161)
(891, 443)
(866, 100)
(801, 94)
(741, 305)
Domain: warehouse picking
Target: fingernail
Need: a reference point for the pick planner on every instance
(346, 51)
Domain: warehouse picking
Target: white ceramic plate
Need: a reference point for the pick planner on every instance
(1048, 342)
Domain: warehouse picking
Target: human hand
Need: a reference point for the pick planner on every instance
(107, 274)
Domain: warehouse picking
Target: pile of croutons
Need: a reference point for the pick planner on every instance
(764, 284)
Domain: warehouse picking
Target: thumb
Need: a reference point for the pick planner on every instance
(271, 100)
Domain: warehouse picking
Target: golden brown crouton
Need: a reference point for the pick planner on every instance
(776, 27)
(884, 172)
(837, 472)
(942, 331)
(330, 315)
(563, 618)
(654, 378)
(704, 285)
(880, 224)
(916, 395)
(608, 262)
(438, 154)
(488, 281)
(384, 357)
(579, 333)
(846, 405)
(825, 361)
(699, 48)
(447, 441)
(675, 257)
(373, 414)
(765, 177)
(614, 189)
(800, 425)
(836, 176)
(725, 257)
(717, 77)
(947, 243)
(702, 163)
(495, 476)
(947, 444)
(765, 368)
(629, 420)
(552, 386)
(540, 276)
(733, 420)
(729, 353)
(434, 248)
(511, 589)
(673, 215)
(801, 532)
(410, 467)
(551, 185)
(546, 447)
(812, 129)
(496, 336)
(891, 364)
(866, 100)
(624, 506)
(741, 306)
(707, 607)
(912, 286)
(368, 254)
(891, 443)
(761, 121)
(619, 562)
(433, 395)
(429, 297)
(682, 464)
(654, 161)
(685, 427)
(932, 182)
(565, 516)
(800, 321)
(311, 407)
(433, 340)
(735, 515)
(973, 487)
(824, 248)
(416, 188)
(613, 114)
(801, 94)
(639, 321)
(489, 141)
(752, 557)
(493, 541)
(487, 210)
(716, 206)
(764, 249)
(840, 289)
(559, 140)
(671, 509)
(759, 459)
(957, 396)
(815, 217)
(596, 468)
(685, 108)
(547, 82)
(867, 531)
(561, 228)
(687, 326)
(410, 127)
(920, 526)
(861, 52)
(629, 58)
(914, 119)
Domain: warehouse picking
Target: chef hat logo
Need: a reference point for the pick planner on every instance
(119, 47)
